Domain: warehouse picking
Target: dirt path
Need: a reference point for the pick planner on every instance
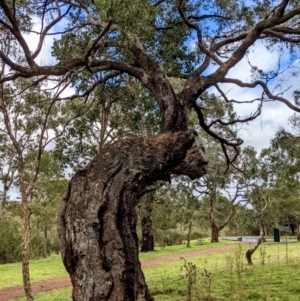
(51, 284)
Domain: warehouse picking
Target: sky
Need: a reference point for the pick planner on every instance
(259, 132)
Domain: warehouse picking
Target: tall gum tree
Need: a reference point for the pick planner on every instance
(146, 40)
(26, 119)
(281, 169)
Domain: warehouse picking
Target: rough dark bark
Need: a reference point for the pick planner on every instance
(97, 220)
(298, 231)
(214, 233)
(45, 247)
(297, 220)
(147, 244)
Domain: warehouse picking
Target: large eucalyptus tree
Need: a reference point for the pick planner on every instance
(198, 42)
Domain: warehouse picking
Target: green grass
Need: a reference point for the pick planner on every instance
(228, 276)
(63, 294)
(40, 269)
(231, 278)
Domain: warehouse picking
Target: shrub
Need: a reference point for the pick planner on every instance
(196, 234)
(10, 240)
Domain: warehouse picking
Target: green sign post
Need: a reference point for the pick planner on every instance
(276, 235)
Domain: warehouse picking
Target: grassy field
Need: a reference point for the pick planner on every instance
(275, 275)
(52, 267)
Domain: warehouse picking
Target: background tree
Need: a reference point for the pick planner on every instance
(47, 194)
(7, 167)
(107, 114)
(281, 169)
(190, 204)
(27, 118)
(145, 40)
(145, 209)
(257, 194)
(259, 204)
(242, 223)
(223, 189)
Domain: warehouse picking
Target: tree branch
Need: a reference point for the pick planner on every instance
(265, 89)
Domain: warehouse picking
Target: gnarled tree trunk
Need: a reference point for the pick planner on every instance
(260, 239)
(260, 223)
(215, 224)
(97, 220)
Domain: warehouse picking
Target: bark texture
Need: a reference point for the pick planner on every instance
(97, 220)
(214, 233)
(25, 236)
(45, 247)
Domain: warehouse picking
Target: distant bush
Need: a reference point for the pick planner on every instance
(196, 234)
(10, 240)
(174, 238)
(167, 237)
(37, 244)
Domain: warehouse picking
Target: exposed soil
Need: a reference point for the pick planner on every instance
(51, 284)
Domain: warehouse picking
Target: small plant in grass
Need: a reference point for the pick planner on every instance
(262, 255)
(199, 283)
(163, 281)
(235, 268)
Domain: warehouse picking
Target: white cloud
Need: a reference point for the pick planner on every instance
(259, 132)
(32, 41)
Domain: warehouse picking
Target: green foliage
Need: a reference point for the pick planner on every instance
(281, 163)
(132, 16)
(196, 234)
(37, 243)
(110, 113)
(10, 238)
(46, 196)
(242, 223)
